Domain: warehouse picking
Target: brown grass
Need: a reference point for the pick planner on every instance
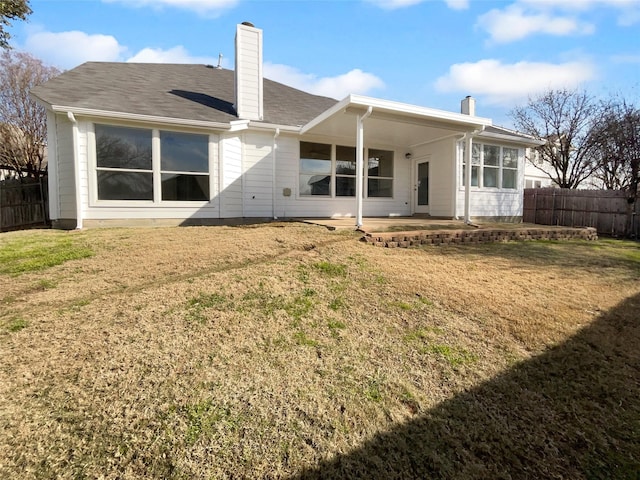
(287, 350)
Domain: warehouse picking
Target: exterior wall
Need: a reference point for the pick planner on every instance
(258, 175)
(66, 188)
(534, 177)
(287, 155)
(441, 156)
(492, 203)
(231, 176)
(241, 173)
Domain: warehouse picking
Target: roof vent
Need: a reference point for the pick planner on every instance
(248, 24)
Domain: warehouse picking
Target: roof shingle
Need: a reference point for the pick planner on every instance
(192, 92)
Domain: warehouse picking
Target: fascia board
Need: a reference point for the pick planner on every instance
(273, 126)
(89, 112)
(337, 108)
(529, 142)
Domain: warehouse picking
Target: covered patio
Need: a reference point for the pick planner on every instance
(415, 131)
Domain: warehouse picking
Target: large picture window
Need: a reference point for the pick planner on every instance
(315, 169)
(184, 165)
(126, 167)
(345, 171)
(330, 171)
(124, 163)
(492, 166)
(380, 173)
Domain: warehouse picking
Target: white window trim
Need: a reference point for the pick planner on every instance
(500, 167)
(156, 170)
(332, 188)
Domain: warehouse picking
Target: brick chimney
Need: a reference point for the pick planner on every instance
(248, 74)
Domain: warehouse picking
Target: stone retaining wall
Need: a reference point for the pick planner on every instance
(447, 237)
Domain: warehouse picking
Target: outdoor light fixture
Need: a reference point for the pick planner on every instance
(408, 156)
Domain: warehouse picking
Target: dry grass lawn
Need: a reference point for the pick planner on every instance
(288, 351)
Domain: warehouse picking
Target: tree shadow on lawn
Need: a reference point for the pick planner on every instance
(571, 412)
(580, 255)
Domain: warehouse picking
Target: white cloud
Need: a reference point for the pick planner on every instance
(457, 4)
(69, 49)
(515, 23)
(394, 4)
(177, 54)
(626, 58)
(355, 81)
(629, 10)
(504, 84)
(551, 17)
(210, 8)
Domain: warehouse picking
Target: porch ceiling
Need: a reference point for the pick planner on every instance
(391, 122)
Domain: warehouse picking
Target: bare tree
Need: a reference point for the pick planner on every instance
(615, 138)
(11, 10)
(563, 119)
(23, 126)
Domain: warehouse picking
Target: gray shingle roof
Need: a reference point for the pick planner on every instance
(193, 92)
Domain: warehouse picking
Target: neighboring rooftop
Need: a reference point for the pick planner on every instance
(192, 92)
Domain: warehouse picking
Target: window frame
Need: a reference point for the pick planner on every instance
(156, 168)
(334, 175)
(500, 168)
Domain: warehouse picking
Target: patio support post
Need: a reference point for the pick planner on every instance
(467, 176)
(360, 164)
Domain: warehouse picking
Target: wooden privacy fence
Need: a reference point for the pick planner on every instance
(609, 211)
(23, 204)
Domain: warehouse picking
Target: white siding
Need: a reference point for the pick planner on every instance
(441, 156)
(83, 166)
(65, 170)
(287, 154)
(52, 156)
(258, 174)
(231, 177)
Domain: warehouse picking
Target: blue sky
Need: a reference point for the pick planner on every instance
(430, 53)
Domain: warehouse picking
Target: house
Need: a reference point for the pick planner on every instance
(193, 144)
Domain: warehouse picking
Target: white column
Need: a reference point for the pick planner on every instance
(360, 164)
(467, 176)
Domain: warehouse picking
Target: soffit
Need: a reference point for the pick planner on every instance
(390, 123)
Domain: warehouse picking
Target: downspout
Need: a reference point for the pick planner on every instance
(76, 170)
(360, 164)
(274, 156)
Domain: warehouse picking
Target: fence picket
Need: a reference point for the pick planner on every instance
(23, 204)
(609, 211)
